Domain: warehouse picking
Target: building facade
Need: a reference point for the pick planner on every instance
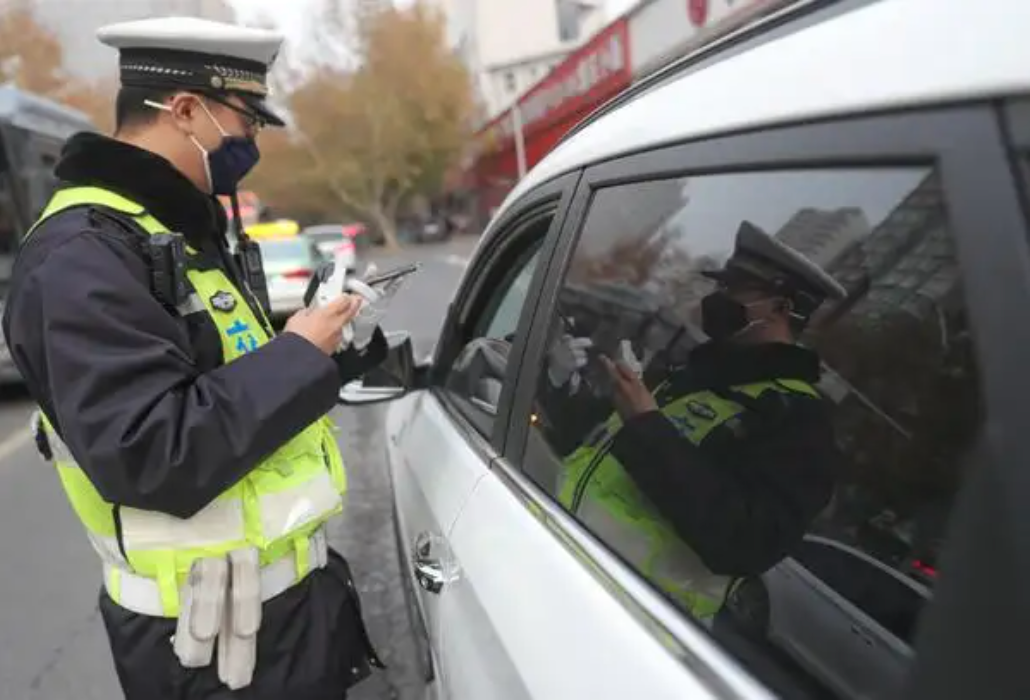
(608, 60)
(508, 46)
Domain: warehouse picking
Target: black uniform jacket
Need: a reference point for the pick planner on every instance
(746, 495)
(156, 420)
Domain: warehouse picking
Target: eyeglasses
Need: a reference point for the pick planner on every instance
(253, 123)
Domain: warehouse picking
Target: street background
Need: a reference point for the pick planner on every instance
(52, 641)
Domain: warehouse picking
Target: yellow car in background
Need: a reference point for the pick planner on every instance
(282, 228)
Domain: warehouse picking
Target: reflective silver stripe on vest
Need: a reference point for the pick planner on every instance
(192, 305)
(58, 449)
(141, 594)
(107, 549)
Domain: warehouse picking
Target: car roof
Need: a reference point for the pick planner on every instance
(35, 113)
(883, 55)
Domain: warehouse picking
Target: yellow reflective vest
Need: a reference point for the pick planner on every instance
(601, 494)
(276, 508)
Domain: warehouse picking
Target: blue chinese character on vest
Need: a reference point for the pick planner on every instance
(682, 423)
(245, 340)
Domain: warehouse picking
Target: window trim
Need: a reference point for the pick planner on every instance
(493, 250)
(1017, 122)
(982, 195)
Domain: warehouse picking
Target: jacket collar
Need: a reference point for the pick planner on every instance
(146, 178)
(714, 365)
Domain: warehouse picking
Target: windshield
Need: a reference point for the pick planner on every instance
(324, 235)
(293, 249)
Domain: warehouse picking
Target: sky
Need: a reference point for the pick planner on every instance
(292, 14)
(293, 17)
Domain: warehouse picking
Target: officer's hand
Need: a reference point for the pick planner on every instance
(323, 327)
(566, 358)
(632, 397)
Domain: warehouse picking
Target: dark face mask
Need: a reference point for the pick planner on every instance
(723, 317)
(230, 162)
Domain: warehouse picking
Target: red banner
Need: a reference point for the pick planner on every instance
(587, 77)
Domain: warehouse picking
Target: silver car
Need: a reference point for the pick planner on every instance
(289, 263)
(337, 242)
(890, 141)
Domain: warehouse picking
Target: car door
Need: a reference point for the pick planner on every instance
(531, 614)
(846, 615)
(890, 207)
(441, 441)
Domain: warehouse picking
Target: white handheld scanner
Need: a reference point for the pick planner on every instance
(376, 290)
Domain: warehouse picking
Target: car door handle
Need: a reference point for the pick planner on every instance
(428, 568)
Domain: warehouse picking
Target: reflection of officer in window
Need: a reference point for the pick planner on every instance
(717, 470)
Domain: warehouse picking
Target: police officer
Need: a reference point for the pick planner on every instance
(192, 442)
(713, 469)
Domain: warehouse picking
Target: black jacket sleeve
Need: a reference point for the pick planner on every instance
(744, 505)
(352, 363)
(113, 369)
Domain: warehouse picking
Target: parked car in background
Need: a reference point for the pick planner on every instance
(32, 131)
(279, 228)
(290, 263)
(333, 240)
(251, 207)
(435, 229)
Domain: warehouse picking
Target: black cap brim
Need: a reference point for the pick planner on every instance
(258, 106)
(736, 277)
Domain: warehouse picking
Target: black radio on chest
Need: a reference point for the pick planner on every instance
(248, 255)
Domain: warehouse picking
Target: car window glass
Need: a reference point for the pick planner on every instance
(505, 318)
(839, 403)
(479, 371)
(294, 249)
(10, 231)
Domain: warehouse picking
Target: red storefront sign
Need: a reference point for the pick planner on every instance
(588, 77)
(697, 10)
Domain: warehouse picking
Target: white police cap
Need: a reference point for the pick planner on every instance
(759, 257)
(193, 54)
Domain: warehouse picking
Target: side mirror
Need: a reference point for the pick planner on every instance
(395, 377)
(357, 394)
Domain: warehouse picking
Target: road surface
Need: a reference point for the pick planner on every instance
(52, 644)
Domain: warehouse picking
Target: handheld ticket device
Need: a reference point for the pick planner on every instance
(377, 290)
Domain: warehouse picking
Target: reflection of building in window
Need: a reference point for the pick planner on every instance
(907, 263)
(823, 235)
(905, 343)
